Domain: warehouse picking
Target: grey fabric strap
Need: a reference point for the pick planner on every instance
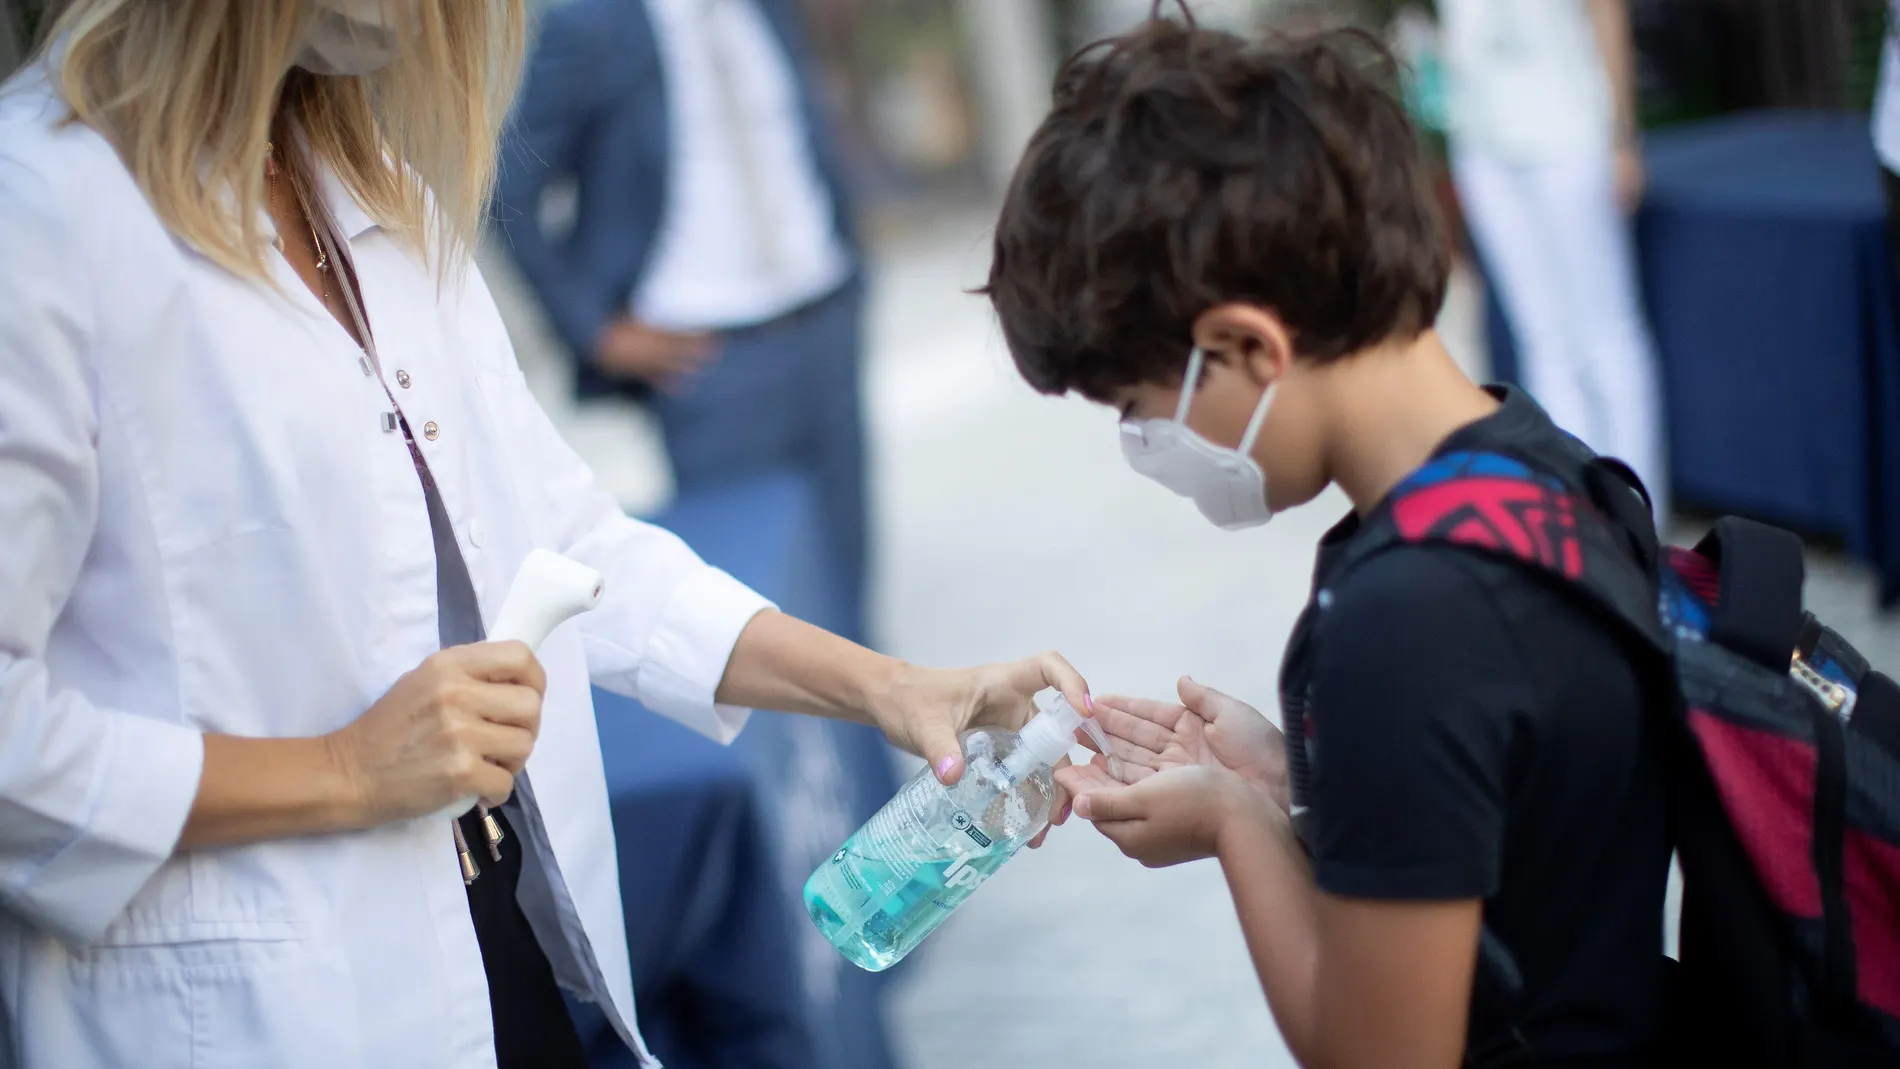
(458, 617)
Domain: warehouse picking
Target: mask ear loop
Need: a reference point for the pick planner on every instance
(1259, 417)
(1189, 383)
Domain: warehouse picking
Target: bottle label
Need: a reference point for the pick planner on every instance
(899, 834)
(961, 821)
(962, 875)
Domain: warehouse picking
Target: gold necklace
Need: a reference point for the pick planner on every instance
(316, 243)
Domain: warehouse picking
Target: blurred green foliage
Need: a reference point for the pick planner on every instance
(32, 12)
(1869, 32)
(1381, 12)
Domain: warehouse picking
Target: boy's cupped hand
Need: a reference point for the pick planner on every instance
(1171, 816)
(1185, 769)
(1206, 728)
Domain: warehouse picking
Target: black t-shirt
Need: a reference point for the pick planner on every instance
(1478, 733)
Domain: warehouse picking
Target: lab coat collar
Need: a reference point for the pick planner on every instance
(345, 213)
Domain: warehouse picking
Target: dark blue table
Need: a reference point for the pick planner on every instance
(1763, 249)
(715, 842)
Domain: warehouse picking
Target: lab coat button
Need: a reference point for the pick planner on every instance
(402, 379)
(431, 431)
(477, 534)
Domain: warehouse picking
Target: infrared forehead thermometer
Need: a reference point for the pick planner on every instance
(548, 590)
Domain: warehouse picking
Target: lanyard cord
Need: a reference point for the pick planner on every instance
(345, 274)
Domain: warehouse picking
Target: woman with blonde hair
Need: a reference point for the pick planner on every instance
(267, 466)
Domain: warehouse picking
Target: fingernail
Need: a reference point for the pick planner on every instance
(1082, 807)
(945, 766)
(1088, 700)
(1067, 808)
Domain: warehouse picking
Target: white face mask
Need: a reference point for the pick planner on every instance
(1226, 484)
(349, 37)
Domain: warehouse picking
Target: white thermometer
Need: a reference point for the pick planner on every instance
(548, 590)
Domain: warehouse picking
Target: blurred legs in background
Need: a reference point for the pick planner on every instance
(786, 394)
(1560, 251)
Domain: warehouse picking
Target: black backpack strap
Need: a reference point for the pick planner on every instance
(1877, 712)
(1760, 570)
(1585, 522)
(1838, 977)
(1621, 497)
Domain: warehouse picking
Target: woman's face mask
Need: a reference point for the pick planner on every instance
(1227, 485)
(350, 37)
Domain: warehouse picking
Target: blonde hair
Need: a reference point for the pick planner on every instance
(190, 91)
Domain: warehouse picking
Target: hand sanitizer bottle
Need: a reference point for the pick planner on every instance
(931, 846)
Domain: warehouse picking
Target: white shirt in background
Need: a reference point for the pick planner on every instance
(734, 251)
(1887, 103)
(1525, 78)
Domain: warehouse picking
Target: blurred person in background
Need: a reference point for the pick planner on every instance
(1886, 131)
(1237, 246)
(267, 467)
(710, 266)
(1548, 162)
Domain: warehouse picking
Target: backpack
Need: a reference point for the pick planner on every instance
(1781, 750)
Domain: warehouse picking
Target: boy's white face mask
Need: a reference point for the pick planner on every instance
(349, 37)
(1226, 484)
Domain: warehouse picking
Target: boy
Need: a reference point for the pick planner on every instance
(1235, 244)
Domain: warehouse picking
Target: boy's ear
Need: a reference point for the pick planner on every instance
(1246, 336)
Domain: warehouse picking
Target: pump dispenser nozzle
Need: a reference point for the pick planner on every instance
(1050, 734)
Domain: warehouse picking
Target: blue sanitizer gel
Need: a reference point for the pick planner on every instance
(915, 861)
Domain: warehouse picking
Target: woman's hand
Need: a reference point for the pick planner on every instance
(926, 710)
(1207, 728)
(461, 725)
(1169, 817)
(628, 348)
(787, 664)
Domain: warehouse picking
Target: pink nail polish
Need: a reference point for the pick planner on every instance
(1067, 807)
(945, 765)
(1088, 701)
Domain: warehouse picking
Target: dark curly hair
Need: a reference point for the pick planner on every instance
(1181, 168)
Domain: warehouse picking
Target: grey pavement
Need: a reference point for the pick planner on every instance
(1008, 523)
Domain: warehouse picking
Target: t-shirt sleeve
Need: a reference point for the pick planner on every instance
(1418, 686)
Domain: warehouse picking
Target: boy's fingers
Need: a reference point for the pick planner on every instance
(1079, 779)
(1166, 714)
(1135, 730)
(1109, 803)
(1059, 815)
(1060, 806)
(1129, 754)
(1132, 773)
(1193, 695)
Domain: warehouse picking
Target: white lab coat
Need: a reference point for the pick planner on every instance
(204, 527)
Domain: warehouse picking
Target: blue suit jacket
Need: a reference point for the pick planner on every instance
(593, 111)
